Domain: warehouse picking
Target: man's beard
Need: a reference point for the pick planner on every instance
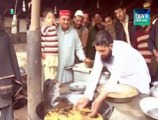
(107, 58)
(78, 26)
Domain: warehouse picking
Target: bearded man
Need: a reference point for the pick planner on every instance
(82, 31)
(126, 65)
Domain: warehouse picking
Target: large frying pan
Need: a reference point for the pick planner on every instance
(105, 110)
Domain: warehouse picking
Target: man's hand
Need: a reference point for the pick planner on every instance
(43, 56)
(97, 103)
(95, 106)
(88, 62)
(155, 52)
(82, 103)
(157, 59)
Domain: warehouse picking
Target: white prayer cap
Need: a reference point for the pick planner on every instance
(79, 13)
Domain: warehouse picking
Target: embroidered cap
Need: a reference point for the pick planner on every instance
(65, 12)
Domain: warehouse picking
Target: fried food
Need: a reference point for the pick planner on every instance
(86, 110)
(73, 114)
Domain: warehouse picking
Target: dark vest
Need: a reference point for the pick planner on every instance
(120, 33)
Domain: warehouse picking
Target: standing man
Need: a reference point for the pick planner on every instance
(109, 25)
(124, 25)
(69, 45)
(141, 43)
(82, 31)
(10, 79)
(153, 39)
(90, 50)
(126, 65)
(153, 45)
(86, 21)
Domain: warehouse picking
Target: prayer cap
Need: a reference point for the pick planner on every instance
(79, 13)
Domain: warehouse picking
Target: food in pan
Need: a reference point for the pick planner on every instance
(72, 114)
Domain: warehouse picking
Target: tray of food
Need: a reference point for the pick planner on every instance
(122, 93)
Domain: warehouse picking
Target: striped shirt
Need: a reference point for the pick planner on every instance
(142, 37)
(49, 40)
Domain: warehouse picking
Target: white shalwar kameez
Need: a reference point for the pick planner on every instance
(127, 67)
(69, 44)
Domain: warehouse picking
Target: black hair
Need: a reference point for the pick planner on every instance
(103, 38)
(119, 6)
(154, 8)
(108, 15)
(46, 11)
(97, 14)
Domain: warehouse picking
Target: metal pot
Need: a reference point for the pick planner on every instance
(106, 110)
(154, 89)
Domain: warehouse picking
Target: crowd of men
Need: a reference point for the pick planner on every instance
(112, 42)
(120, 26)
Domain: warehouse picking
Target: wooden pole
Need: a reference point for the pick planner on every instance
(34, 90)
(35, 15)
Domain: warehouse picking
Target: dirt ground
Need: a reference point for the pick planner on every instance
(21, 114)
